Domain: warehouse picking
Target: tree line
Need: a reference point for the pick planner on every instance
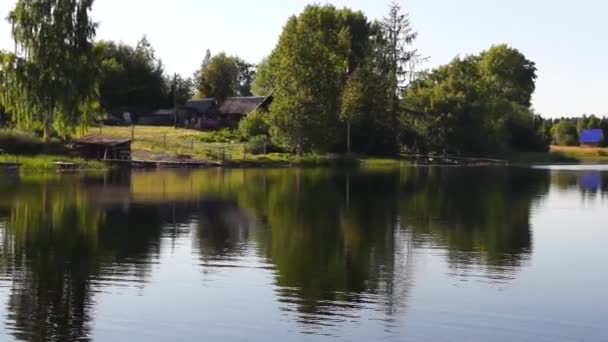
(59, 79)
(566, 131)
(340, 83)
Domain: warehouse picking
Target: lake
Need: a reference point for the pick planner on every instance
(417, 254)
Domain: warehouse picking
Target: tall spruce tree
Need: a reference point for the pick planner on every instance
(400, 60)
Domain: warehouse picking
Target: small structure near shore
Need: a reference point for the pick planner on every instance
(66, 166)
(98, 146)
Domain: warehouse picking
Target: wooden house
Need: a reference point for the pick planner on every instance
(208, 114)
(591, 137)
(160, 117)
(97, 146)
(201, 114)
(234, 109)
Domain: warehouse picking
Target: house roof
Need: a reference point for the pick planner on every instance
(591, 136)
(102, 140)
(201, 106)
(242, 105)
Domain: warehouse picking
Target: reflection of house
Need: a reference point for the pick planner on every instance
(96, 146)
(207, 113)
(591, 137)
(591, 181)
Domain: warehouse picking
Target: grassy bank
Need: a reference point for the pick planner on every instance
(561, 154)
(582, 153)
(46, 162)
(33, 153)
(172, 143)
(178, 141)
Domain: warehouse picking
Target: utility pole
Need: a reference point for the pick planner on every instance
(175, 100)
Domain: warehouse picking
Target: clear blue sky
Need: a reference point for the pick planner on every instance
(565, 38)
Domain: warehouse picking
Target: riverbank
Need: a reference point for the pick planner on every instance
(47, 162)
(280, 160)
(561, 155)
(184, 146)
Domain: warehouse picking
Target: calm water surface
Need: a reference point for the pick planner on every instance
(420, 254)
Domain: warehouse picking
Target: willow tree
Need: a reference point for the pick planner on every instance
(48, 82)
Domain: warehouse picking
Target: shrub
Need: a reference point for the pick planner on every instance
(565, 133)
(13, 141)
(18, 142)
(225, 135)
(260, 144)
(254, 125)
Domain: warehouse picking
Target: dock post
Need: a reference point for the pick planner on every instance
(132, 132)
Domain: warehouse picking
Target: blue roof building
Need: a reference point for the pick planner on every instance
(591, 137)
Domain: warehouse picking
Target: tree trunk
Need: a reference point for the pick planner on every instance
(348, 137)
(48, 124)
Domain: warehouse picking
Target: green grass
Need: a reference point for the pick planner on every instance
(46, 162)
(285, 159)
(383, 163)
(178, 141)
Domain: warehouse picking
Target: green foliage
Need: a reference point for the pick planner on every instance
(353, 97)
(508, 74)
(223, 76)
(260, 144)
(182, 89)
(51, 82)
(131, 78)
(565, 133)
(263, 83)
(14, 141)
(333, 71)
(525, 134)
(475, 105)
(565, 130)
(4, 116)
(254, 124)
(309, 65)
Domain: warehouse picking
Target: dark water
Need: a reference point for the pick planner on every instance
(421, 254)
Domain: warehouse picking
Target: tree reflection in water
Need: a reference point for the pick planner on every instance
(340, 242)
(480, 215)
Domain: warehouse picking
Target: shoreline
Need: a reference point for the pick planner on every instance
(45, 162)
